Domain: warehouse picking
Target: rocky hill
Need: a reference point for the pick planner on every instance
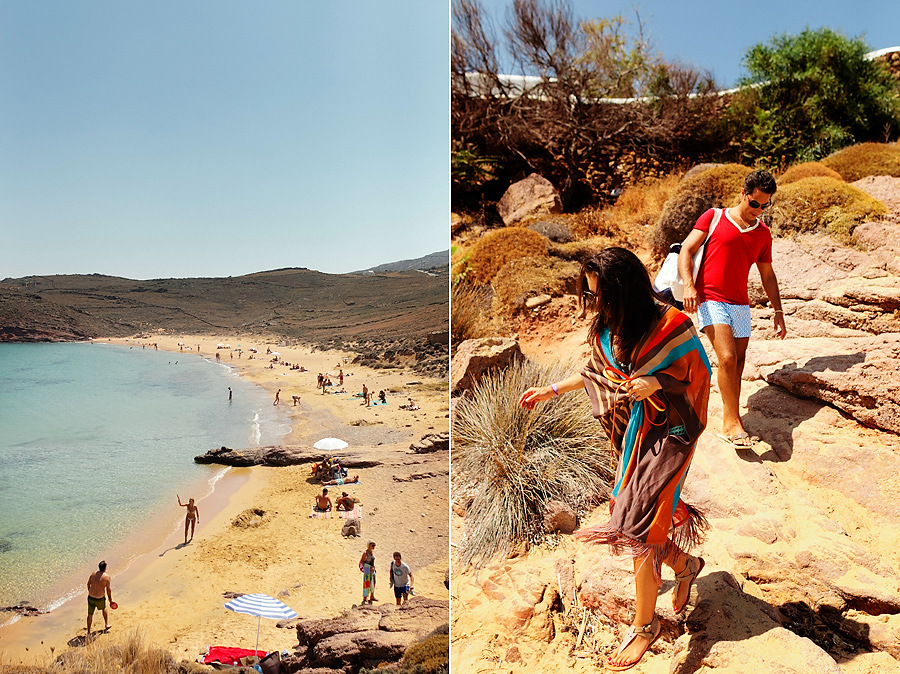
(294, 303)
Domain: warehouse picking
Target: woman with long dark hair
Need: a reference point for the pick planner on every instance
(648, 381)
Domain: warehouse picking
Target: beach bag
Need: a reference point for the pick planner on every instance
(668, 276)
(352, 527)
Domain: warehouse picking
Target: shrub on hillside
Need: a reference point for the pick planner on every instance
(527, 277)
(821, 204)
(576, 251)
(810, 169)
(497, 248)
(431, 655)
(866, 159)
(129, 652)
(469, 311)
(508, 462)
(716, 187)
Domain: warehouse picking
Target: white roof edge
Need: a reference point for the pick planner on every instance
(881, 52)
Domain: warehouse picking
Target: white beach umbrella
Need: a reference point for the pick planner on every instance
(261, 606)
(330, 444)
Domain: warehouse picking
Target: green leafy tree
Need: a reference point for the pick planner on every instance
(810, 94)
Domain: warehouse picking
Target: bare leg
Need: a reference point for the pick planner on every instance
(105, 618)
(645, 607)
(677, 561)
(187, 523)
(731, 353)
(90, 619)
(193, 524)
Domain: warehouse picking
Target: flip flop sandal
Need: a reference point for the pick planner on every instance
(691, 570)
(646, 632)
(732, 440)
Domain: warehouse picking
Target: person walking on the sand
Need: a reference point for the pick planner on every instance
(401, 579)
(191, 518)
(277, 396)
(99, 584)
(367, 566)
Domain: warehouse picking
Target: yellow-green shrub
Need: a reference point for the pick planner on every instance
(821, 204)
(428, 656)
(810, 169)
(625, 223)
(527, 277)
(716, 187)
(497, 248)
(866, 159)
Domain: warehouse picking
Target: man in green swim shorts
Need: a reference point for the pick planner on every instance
(98, 585)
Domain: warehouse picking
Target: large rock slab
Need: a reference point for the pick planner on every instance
(530, 196)
(859, 375)
(277, 455)
(476, 358)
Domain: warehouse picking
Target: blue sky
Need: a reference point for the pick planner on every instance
(715, 35)
(216, 138)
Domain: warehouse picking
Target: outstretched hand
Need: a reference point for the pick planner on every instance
(534, 395)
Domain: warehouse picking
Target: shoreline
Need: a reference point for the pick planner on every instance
(159, 581)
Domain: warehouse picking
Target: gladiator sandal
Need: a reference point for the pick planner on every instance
(692, 568)
(650, 632)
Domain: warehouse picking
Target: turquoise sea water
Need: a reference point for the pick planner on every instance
(94, 439)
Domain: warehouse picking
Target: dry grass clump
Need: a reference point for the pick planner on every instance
(576, 251)
(866, 159)
(716, 187)
(129, 653)
(822, 204)
(527, 277)
(496, 248)
(469, 311)
(809, 169)
(626, 222)
(508, 463)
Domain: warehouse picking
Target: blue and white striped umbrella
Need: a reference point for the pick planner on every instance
(261, 606)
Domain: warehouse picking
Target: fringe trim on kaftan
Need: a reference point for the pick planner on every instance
(647, 514)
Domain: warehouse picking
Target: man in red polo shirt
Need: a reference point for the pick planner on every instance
(719, 295)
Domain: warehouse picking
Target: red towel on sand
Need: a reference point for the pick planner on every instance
(230, 656)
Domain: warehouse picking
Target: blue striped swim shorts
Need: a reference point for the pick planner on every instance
(736, 316)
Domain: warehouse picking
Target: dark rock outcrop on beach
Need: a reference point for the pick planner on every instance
(278, 455)
(426, 355)
(365, 636)
(432, 442)
(22, 610)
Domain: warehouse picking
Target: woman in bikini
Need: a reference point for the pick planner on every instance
(191, 518)
(648, 381)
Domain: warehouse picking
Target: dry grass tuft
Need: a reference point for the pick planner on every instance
(576, 251)
(527, 277)
(496, 248)
(469, 311)
(508, 463)
(129, 652)
(822, 204)
(866, 159)
(719, 186)
(810, 169)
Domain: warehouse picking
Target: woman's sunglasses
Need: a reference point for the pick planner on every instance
(755, 204)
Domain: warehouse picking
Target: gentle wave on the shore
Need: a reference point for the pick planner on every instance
(95, 441)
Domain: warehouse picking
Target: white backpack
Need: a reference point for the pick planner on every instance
(668, 276)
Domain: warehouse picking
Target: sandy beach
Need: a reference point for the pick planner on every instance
(175, 592)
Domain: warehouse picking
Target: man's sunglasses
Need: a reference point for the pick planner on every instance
(755, 204)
